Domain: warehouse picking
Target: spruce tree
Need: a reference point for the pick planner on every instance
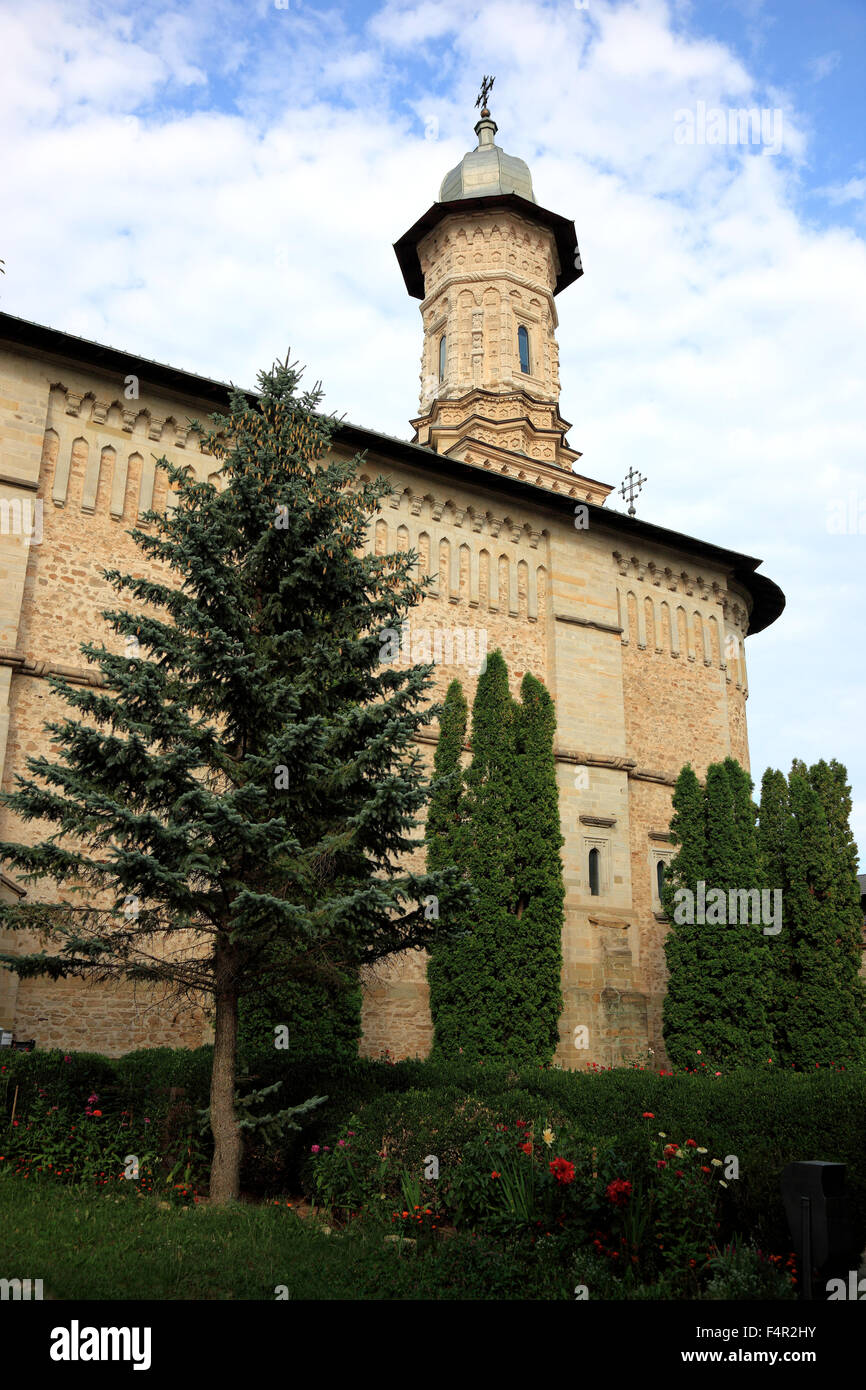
(683, 1007)
(243, 790)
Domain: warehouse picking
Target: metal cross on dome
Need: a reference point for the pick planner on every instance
(631, 487)
(486, 89)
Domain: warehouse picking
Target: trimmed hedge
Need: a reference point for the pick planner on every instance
(766, 1119)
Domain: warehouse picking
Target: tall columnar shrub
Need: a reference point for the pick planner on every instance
(473, 1007)
(449, 966)
(718, 993)
(824, 1016)
(774, 814)
(533, 957)
(445, 840)
(830, 782)
(685, 999)
(495, 988)
(313, 1017)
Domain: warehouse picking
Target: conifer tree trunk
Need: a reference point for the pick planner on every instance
(225, 1170)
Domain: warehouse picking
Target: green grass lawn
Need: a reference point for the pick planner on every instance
(86, 1245)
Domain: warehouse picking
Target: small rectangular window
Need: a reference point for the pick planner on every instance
(523, 348)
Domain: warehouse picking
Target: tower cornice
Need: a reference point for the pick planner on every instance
(406, 249)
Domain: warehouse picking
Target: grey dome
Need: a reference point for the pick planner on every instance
(487, 171)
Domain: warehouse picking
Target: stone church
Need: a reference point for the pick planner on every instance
(637, 631)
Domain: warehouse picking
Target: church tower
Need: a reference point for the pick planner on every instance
(487, 262)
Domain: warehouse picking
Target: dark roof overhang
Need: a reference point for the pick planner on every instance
(406, 249)
(768, 601)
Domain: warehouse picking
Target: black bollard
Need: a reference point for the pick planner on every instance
(816, 1206)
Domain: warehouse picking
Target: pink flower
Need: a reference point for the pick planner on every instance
(67, 1059)
(341, 1143)
(314, 1149)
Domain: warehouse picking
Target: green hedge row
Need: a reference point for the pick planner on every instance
(765, 1119)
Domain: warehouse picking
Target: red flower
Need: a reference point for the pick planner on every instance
(691, 1143)
(647, 1115)
(527, 1147)
(494, 1174)
(670, 1149)
(562, 1170)
(618, 1191)
(660, 1163)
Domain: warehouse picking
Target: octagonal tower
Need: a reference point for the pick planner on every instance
(487, 261)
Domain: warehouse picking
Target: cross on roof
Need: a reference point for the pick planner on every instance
(486, 89)
(631, 487)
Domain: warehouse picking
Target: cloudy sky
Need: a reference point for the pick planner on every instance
(212, 183)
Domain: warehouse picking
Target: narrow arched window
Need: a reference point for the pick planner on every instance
(660, 877)
(523, 348)
(442, 358)
(594, 858)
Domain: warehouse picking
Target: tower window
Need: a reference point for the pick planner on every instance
(594, 858)
(660, 877)
(442, 358)
(523, 348)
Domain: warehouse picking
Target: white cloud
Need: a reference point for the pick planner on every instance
(824, 64)
(852, 191)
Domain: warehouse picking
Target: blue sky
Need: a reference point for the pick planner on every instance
(212, 184)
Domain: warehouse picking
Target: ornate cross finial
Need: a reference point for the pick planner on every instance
(486, 89)
(631, 487)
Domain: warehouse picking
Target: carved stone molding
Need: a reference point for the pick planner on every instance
(598, 820)
(604, 919)
(647, 774)
(25, 666)
(32, 484)
(588, 622)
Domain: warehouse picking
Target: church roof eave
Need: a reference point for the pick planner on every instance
(767, 598)
(565, 235)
